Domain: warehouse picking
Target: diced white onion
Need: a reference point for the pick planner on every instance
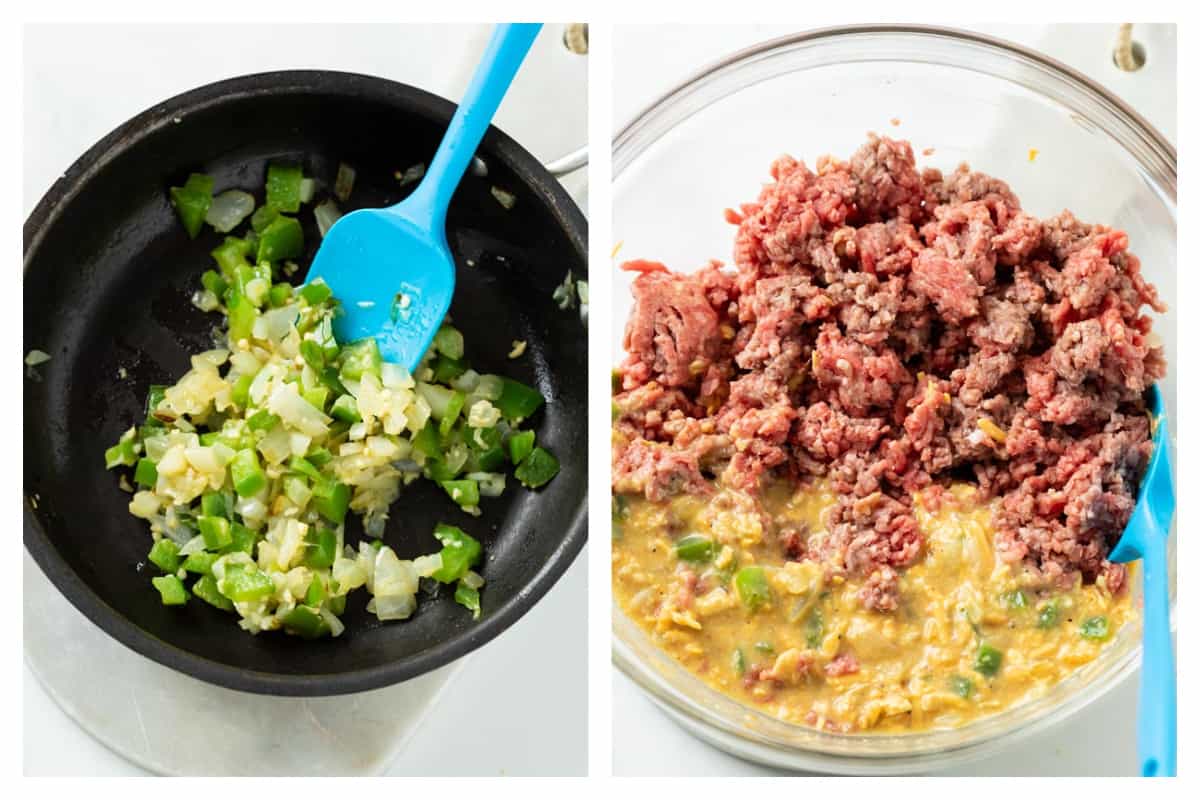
(228, 209)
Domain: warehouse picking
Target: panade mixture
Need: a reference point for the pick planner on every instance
(868, 478)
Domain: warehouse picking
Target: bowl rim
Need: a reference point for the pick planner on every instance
(758, 747)
(1140, 124)
(83, 597)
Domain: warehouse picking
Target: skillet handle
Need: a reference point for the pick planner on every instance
(576, 159)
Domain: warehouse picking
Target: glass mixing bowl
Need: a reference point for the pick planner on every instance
(706, 145)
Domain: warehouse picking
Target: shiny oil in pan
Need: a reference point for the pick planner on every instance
(972, 634)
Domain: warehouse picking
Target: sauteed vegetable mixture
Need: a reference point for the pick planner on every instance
(248, 466)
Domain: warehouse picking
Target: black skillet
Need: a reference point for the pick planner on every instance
(108, 276)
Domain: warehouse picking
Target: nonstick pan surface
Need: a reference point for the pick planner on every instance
(108, 276)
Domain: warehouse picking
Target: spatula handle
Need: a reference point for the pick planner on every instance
(501, 60)
(1156, 716)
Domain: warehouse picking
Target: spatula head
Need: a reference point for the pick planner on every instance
(1156, 498)
(394, 279)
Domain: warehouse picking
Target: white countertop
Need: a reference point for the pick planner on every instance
(648, 60)
(80, 83)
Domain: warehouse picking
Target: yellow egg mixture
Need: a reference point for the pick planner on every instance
(972, 634)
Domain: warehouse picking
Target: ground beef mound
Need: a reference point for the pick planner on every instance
(891, 330)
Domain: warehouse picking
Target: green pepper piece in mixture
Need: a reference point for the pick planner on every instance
(192, 201)
(537, 469)
(517, 401)
(172, 590)
(988, 660)
(306, 623)
(283, 186)
(206, 590)
(281, 240)
(460, 552)
(164, 554)
(248, 476)
(752, 588)
(695, 548)
(520, 445)
(1094, 628)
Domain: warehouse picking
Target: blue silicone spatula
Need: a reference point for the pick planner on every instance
(1145, 537)
(391, 267)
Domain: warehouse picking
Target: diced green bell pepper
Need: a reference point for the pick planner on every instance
(242, 540)
(283, 186)
(262, 217)
(304, 467)
(200, 563)
(212, 504)
(248, 476)
(449, 342)
(537, 469)
(206, 590)
(121, 454)
(215, 531)
(464, 492)
(361, 357)
(487, 460)
(453, 409)
(695, 548)
(319, 457)
(279, 295)
(330, 378)
(243, 582)
(331, 500)
(963, 687)
(1048, 614)
(518, 401)
(520, 445)
(313, 354)
(164, 554)
(306, 623)
(172, 590)
(192, 201)
(752, 588)
(460, 552)
(213, 282)
(446, 369)
(281, 240)
(146, 474)
(738, 661)
(315, 593)
(1094, 628)
(468, 598)
(230, 255)
(337, 604)
(317, 397)
(988, 660)
(154, 396)
(240, 395)
(262, 420)
(316, 292)
(320, 548)
(427, 441)
(345, 408)
(242, 314)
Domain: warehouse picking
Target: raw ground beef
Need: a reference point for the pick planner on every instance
(891, 330)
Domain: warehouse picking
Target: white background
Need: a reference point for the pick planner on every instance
(519, 705)
(648, 60)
